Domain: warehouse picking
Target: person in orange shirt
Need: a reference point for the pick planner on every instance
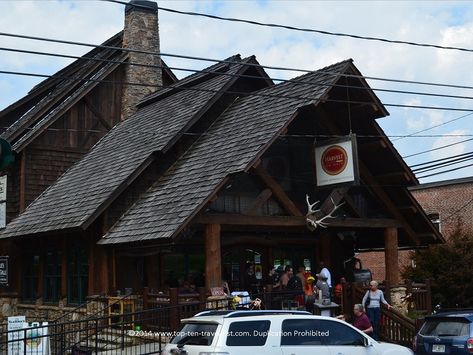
(309, 294)
(338, 291)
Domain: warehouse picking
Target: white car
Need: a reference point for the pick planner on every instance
(274, 333)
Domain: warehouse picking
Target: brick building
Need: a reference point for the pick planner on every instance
(448, 204)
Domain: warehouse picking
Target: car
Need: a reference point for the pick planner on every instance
(446, 333)
(273, 332)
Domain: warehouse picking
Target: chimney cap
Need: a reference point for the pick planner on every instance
(142, 5)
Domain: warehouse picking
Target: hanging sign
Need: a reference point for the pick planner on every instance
(336, 162)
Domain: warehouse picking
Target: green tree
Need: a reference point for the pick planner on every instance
(449, 267)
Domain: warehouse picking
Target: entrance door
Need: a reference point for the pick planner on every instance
(243, 269)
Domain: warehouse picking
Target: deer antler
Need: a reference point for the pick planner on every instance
(310, 206)
(314, 222)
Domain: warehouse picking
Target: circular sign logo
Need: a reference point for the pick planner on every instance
(334, 160)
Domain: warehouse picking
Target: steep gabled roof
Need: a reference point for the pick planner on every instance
(27, 118)
(234, 142)
(109, 166)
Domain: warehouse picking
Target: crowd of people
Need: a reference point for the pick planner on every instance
(366, 315)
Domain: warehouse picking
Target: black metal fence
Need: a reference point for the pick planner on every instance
(142, 332)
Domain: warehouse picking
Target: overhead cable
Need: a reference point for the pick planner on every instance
(236, 92)
(295, 81)
(300, 29)
(233, 62)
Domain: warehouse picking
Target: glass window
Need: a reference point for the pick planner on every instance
(341, 334)
(302, 332)
(52, 276)
(445, 327)
(30, 277)
(251, 333)
(195, 334)
(78, 270)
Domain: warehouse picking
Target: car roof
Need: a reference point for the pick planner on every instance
(220, 316)
(465, 314)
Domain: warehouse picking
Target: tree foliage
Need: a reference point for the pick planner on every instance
(449, 266)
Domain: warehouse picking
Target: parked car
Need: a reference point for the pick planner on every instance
(271, 333)
(446, 333)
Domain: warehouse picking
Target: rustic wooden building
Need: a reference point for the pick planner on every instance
(64, 116)
(210, 177)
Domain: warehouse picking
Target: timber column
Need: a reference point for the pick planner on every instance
(391, 255)
(213, 257)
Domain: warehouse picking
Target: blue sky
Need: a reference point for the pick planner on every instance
(448, 23)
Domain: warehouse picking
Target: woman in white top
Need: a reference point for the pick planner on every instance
(373, 309)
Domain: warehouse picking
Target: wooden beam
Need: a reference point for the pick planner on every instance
(259, 202)
(22, 197)
(391, 255)
(293, 221)
(383, 196)
(372, 145)
(114, 270)
(239, 219)
(103, 279)
(213, 258)
(96, 113)
(277, 190)
(91, 276)
(336, 196)
(64, 268)
(393, 177)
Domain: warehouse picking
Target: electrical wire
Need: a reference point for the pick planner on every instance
(300, 29)
(256, 93)
(295, 81)
(442, 159)
(195, 58)
(441, 165)
(438, 148)
(444, 172)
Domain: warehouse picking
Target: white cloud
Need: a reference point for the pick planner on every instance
(449, 138)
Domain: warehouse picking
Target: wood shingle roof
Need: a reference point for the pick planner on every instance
(87, 185)
(231, 145)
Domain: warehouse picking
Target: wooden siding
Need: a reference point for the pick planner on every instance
(65, 142)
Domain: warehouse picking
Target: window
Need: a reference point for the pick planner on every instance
(52, 276)
(30, 277)
(78, 270)
(435, 219)
(302, 332)
(341, 334)
(195, 334)
(446, 327)
(250, 333)
(318, 332)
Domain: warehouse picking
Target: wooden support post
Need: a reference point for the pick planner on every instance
(64, 269)
(391, 255)
(103, 279)
(91, 278)
(114, 271)
(326, 255)
(202, 298)
(428, 286)
(22, 197)
(213, 258)
(145, 297)
(174, 311)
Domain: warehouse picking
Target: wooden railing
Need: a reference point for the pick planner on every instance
(396, 327)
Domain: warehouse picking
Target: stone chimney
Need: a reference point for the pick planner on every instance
(141, 32)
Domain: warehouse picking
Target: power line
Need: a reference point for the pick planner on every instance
(444, 164)
(295, 81)
(438, 148)
(432, 127)
(300, 29)
(442, 159)
(444, 172)
(233, 62)
(424, 107)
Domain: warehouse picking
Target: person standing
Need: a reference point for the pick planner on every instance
(372, 303)
(288, 273)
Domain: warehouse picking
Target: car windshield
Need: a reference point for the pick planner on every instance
(445, 327)
(195, 334)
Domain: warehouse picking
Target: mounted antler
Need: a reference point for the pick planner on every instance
(311, 217)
